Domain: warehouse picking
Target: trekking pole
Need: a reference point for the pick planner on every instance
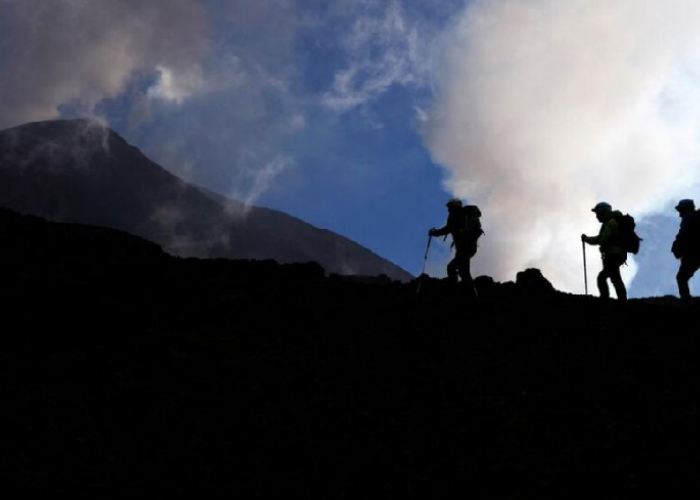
(585, 274)
(425, 259)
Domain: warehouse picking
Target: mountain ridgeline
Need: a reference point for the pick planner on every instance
(82, 172)
(129, 372)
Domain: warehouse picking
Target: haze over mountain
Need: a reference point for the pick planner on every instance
(80, 171)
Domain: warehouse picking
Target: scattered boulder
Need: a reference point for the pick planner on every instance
(533, 282)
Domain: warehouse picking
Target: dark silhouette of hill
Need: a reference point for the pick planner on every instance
(79, 171)
(132, 373)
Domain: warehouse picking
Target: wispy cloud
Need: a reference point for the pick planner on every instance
(382, 48)
(261, 179)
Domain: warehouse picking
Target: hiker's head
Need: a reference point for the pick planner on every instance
(685, 206)
(602, 210)
(454, 204)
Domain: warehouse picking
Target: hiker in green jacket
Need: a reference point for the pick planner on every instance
(613, 255)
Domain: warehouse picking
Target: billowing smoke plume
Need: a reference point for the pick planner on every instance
(77, 52)
(201, 85)
(546, 107)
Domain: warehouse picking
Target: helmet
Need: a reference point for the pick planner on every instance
(454, 202)
(601, 207)
(685, 205)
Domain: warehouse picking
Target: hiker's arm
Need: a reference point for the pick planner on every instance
(439, 232)
(606, 235)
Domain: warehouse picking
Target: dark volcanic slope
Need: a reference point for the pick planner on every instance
(79, 171)
(130, 373)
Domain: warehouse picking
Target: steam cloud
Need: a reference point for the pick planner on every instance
(72, 51)
(176, 69)
(546, 107)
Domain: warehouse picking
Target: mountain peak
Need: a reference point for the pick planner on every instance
(61, 130)
(81, 171)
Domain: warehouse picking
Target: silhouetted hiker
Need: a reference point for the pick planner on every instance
(686, 246)
(464, 226)
(613, 255)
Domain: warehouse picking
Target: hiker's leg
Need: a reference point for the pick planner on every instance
(464, 267)
(467, 281)
(453, 271)
(611, 270)
(616, 262)
(685, 272)
(683, 288)
(682, 280)
(619, 285)
(695, 267)
(603, 289)
(464, 256)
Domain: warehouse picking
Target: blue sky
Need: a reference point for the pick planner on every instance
(365, 116)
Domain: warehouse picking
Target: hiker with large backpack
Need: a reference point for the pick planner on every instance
(686, 246)
(464, 225)
(612, 251)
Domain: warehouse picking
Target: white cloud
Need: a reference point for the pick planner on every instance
(546, 107)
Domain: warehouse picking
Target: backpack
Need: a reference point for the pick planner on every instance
(628, 238)
(472, 222)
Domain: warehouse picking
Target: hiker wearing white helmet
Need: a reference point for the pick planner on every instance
(612, 253)
(686, 246)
